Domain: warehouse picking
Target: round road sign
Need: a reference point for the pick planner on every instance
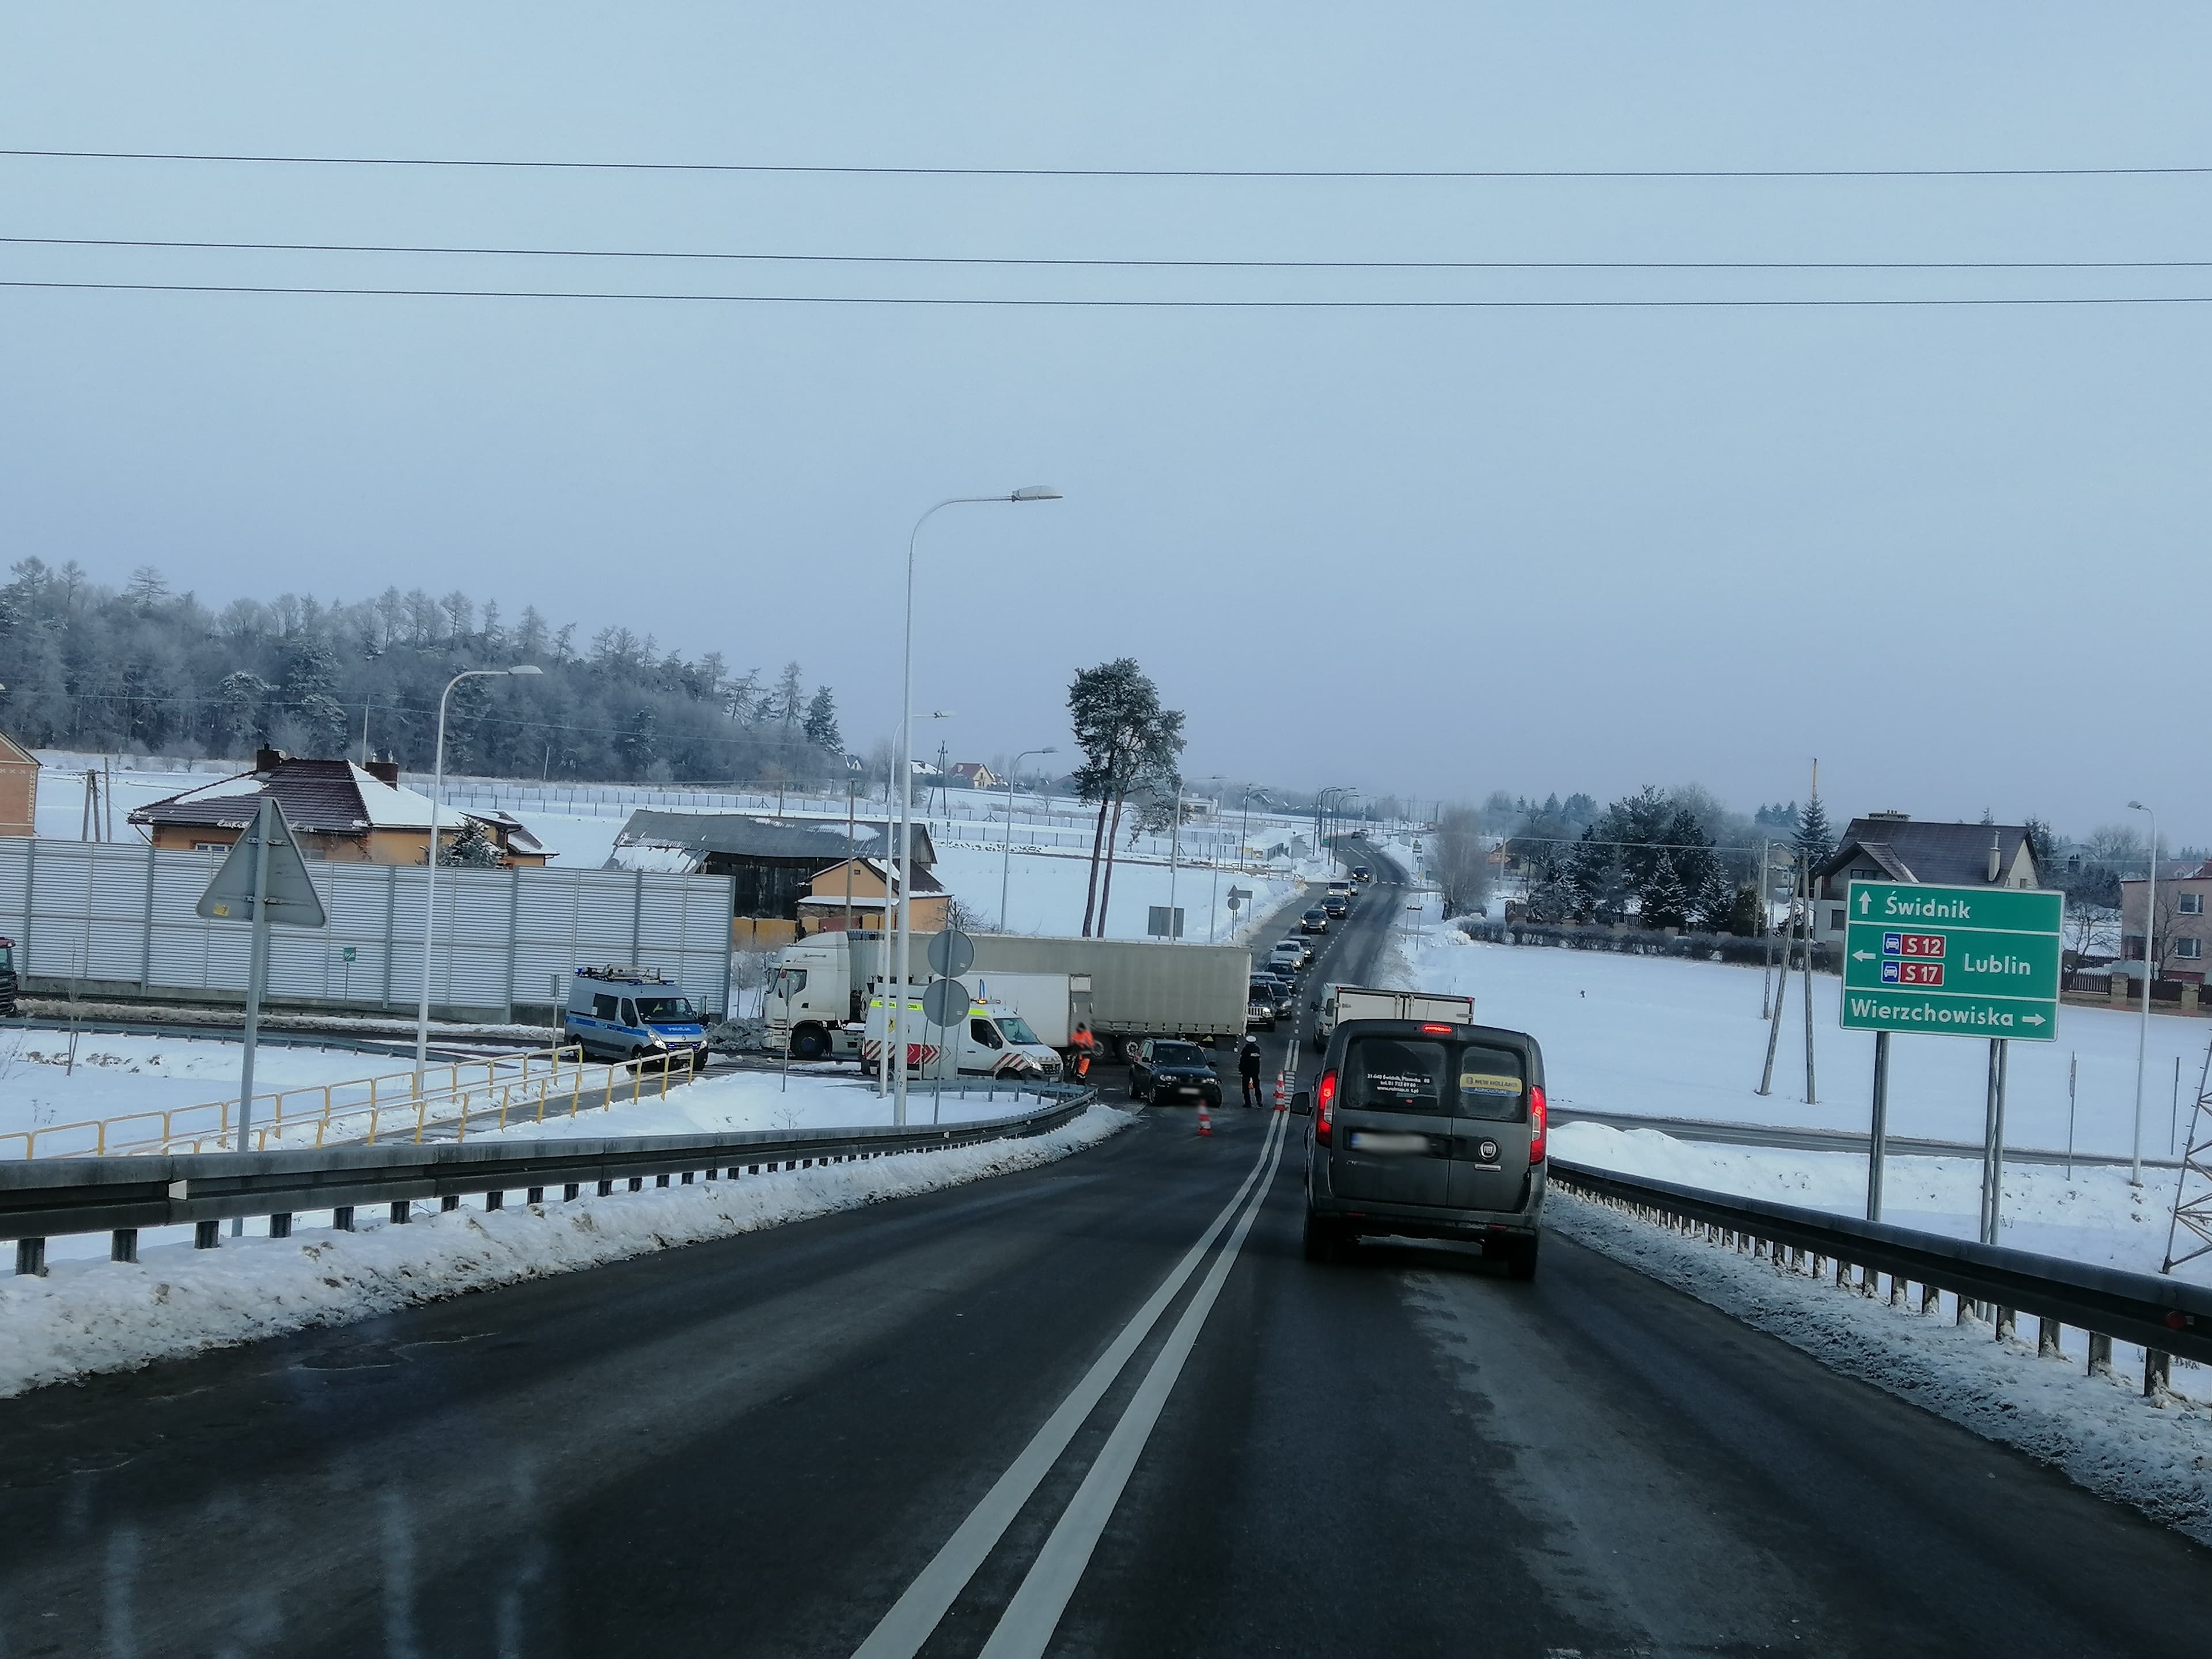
(945, 1002)
(952, 953)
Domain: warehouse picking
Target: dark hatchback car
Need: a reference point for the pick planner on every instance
(1165, 1070)
(1424, 1130)
(1314, 921)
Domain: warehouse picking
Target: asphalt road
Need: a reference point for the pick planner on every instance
(1104, 1407)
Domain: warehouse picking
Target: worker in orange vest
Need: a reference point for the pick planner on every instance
(1086, 1049)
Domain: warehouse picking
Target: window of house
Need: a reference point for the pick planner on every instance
(2192, 904)
(2189, 948)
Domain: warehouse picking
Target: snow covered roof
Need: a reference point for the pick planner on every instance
(743, 837)
(327, 797)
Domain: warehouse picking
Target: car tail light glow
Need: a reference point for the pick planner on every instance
(1324, 1105)
(1538, 1121)
(1438, 1030)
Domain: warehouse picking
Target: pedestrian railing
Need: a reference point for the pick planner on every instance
(2162, 1316)
(557, 1080)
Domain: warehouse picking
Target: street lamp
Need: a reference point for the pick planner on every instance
(897, 978)
(431, 889)
(2150, 973)
(1006, 858)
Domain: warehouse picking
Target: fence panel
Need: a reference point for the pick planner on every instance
(119, 914)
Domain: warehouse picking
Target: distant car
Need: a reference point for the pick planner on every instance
(1260, 1005)
(1289, 957)
(1164, 1070)
(1282, 989)
(1305, 944)
(1337, 906)
(1361, 873)
(1314, 921)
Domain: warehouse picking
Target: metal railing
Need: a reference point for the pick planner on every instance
(2162, 1316)
(364, 1109)
(58, 1197)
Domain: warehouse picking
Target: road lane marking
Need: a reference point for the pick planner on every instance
(1031, 1618)
(915, 1616)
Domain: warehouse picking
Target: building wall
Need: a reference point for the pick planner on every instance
(2175, 926)
(19, 798)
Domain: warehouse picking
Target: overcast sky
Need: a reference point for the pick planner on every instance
(1443, 551)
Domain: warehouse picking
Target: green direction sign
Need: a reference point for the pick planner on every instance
(1954, 961)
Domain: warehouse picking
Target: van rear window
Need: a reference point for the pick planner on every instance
(1439, 1079)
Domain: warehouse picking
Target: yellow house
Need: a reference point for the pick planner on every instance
(19, 788)
(346, 813)
(861, 889)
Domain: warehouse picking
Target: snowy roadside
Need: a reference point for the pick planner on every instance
(2156, 1456)
(90, 1317)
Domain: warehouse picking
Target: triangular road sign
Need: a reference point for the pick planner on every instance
(292, 899)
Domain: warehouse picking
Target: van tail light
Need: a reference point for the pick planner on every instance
(1539, 1122)
(1437, 1031)
(1324, 1106)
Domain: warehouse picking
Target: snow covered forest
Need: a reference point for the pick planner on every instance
(144, 669)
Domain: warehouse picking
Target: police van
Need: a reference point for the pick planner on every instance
(632, 1013)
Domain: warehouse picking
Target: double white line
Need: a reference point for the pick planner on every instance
(1029, 1618)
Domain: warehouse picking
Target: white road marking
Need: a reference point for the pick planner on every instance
(1032, 1617)
(914, 1616)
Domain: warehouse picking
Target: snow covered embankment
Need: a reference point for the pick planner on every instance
(2156, 1456)
(91, 1316)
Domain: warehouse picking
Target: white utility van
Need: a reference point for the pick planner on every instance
(992, 1041)
(1342, 1002)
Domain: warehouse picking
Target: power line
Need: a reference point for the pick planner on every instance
(817, 169)
(1017, 262)
(1038, 303)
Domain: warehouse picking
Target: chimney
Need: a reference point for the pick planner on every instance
(384, 771)
(266, 761)
(1996, 862)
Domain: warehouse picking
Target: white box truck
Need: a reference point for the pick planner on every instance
(1343, 1002)
(1138, 988)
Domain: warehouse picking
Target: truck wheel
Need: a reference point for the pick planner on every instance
(809, 1043)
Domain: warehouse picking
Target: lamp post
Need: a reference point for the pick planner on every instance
(1006, 858)
(892, 1008)
(2150, 973)
(430, 886)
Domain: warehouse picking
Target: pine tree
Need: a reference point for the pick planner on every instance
(1813, 840)
(1661, 898)
(821, 725)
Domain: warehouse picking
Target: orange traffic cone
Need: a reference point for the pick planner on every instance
(1282, 1091)
(1204, 1121)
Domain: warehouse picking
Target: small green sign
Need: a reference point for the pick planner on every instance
(1954, 961)
(346, 955)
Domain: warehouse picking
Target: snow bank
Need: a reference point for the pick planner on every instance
(91, 1316)
(2096, 1217)
(2154, 1456)
(813, 1099)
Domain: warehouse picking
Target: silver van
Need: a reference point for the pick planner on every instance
(1424, 1129)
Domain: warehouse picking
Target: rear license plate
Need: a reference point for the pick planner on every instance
(1384, 1141)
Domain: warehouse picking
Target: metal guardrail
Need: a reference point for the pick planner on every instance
(2163, 1317)
(57, 1197)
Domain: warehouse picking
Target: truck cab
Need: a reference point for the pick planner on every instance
(809, 1004)
(618, 1013)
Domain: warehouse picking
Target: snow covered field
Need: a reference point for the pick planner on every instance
(94, 1314)
(1683, 1039)
(1663, 1038)
(117, 1075)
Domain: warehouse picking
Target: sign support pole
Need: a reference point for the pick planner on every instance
(257, 979)
(1878, 1140)
(1810, 1095)
(1993, 1144)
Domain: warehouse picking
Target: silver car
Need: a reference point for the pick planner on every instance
(1424, 1130)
